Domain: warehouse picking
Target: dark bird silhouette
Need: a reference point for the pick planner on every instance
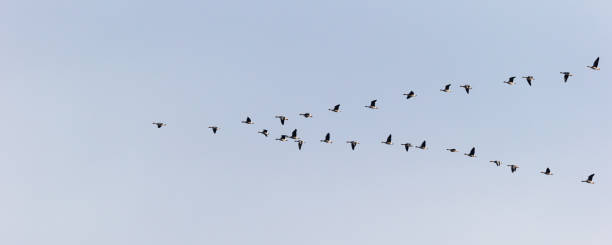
(566, 75)
(353, 144)
(407, 146)
(372, 105)
(264, 132)
(547, 172)
(214, 129)
(513, 167)
(510, 81)
(497, 162)
(388, 141)
(294, 134)
(423, 145)
(529, 79)
(595, 64)
(248, 121)
(306, 115)
(410, 94)
(159, 124)
(452, 150)
(467, 88)
(590, 179)
(282, 138)
(282, 119)
(446, 88)
(336, 108)
(327, 139)
(472, 152)
(300, 143)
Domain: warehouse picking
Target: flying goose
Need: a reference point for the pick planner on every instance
(513, 167)
(306, 115)
(336, 108)
(467, 88)
(446, 88)
(590, 179)
(423, 145)
(547, 172)
(497, 162)
(529, 79)
(510, 81)
(214, 129)
(264, 132)
(566, 75)
(388, 142)
(472, 152)
(372, 105)
(452, 150)
(282, 119)
(407, 146)
(327, 139)
(595, 64)
(248, 121)
(282, 138)
(410, 94)
(353, 143)
(294, 135)
(300, 143)
(159, 124)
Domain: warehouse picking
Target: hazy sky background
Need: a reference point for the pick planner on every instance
(81, 82)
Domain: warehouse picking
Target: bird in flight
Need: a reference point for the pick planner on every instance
(497, 162)
(410, 94)
(446, 88)
(510, 81)
(472, 152)
(513, 167)
(353, 143)
(159, 124)
(327, 139)
(566, 75)
(388, 141)
(529, 79)
(467, 88)
(300, 143)
(264, 132)
(336, 108)
(306, 115)
(294, 135)
(282, 119)
(589, 180)
(407, 146)
(595, 64)
(214, 129)
(248, 121)
(372, 105)
(452, 150)
(283, 138)
(547, 172)
(423, 145)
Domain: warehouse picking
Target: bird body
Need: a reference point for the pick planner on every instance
(372, 105)
(452, 150)
(353, 144)
(595, 65)
(566, 75)
(589, 180)
(214, 129)
(294, 135)
(306, 115)
(510, 81)
(336, 108)
(327, 139)
(407, 146)
(513, 167)
(467, 88)
(472, 152)
(282, 119)
(497, 162)
(159, 124)
(410, 94)
(300, 143)
(388, 141)
(248, 121)
(423, 145)
(283, 138)
(446, 88)
(547, 172)
(264, 132)
(529, 79)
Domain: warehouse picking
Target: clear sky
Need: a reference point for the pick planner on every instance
(81, 82)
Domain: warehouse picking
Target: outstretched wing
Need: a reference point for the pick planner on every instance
(337, 107)
(327, 136)
(596, 62)
(389, 138)
(473, 151)
(591, 177)
(373, 103)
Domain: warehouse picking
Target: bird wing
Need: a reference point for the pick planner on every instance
(467, 89)
(373, 103)
(473, 151)
(591, 177)
(337, 107)
(248, 119)
(447, 86)
(512, 79)
(294, 133)
(389, 138)
(424, 143)
(565, 77)
(327, 136)
(596, 62)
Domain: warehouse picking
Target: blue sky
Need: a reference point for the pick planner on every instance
(81, 82)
